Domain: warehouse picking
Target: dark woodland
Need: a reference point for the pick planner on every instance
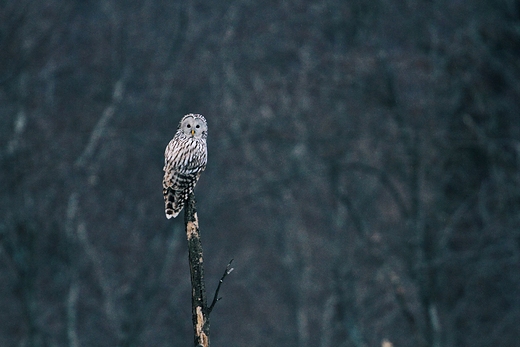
(363, 171)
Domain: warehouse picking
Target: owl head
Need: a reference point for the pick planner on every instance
(194, 125)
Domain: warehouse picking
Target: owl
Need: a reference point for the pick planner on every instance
(185, 158)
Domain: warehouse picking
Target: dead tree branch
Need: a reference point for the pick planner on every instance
(215, 297)
(199, 314)
(199, 308)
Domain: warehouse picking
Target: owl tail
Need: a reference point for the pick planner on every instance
(172, 204)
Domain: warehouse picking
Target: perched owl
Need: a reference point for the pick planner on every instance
(185, 158)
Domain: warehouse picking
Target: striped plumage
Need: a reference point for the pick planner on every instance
(185, 158)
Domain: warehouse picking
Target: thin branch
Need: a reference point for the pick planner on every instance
(215, 297)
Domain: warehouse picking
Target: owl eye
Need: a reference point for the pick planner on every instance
(188, 126)
(197, 126)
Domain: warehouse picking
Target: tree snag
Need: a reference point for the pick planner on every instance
(199, 308)
(199, 314)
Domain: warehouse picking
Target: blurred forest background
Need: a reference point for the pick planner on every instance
(364, 171)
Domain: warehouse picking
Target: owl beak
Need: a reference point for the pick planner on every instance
(192, 132)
